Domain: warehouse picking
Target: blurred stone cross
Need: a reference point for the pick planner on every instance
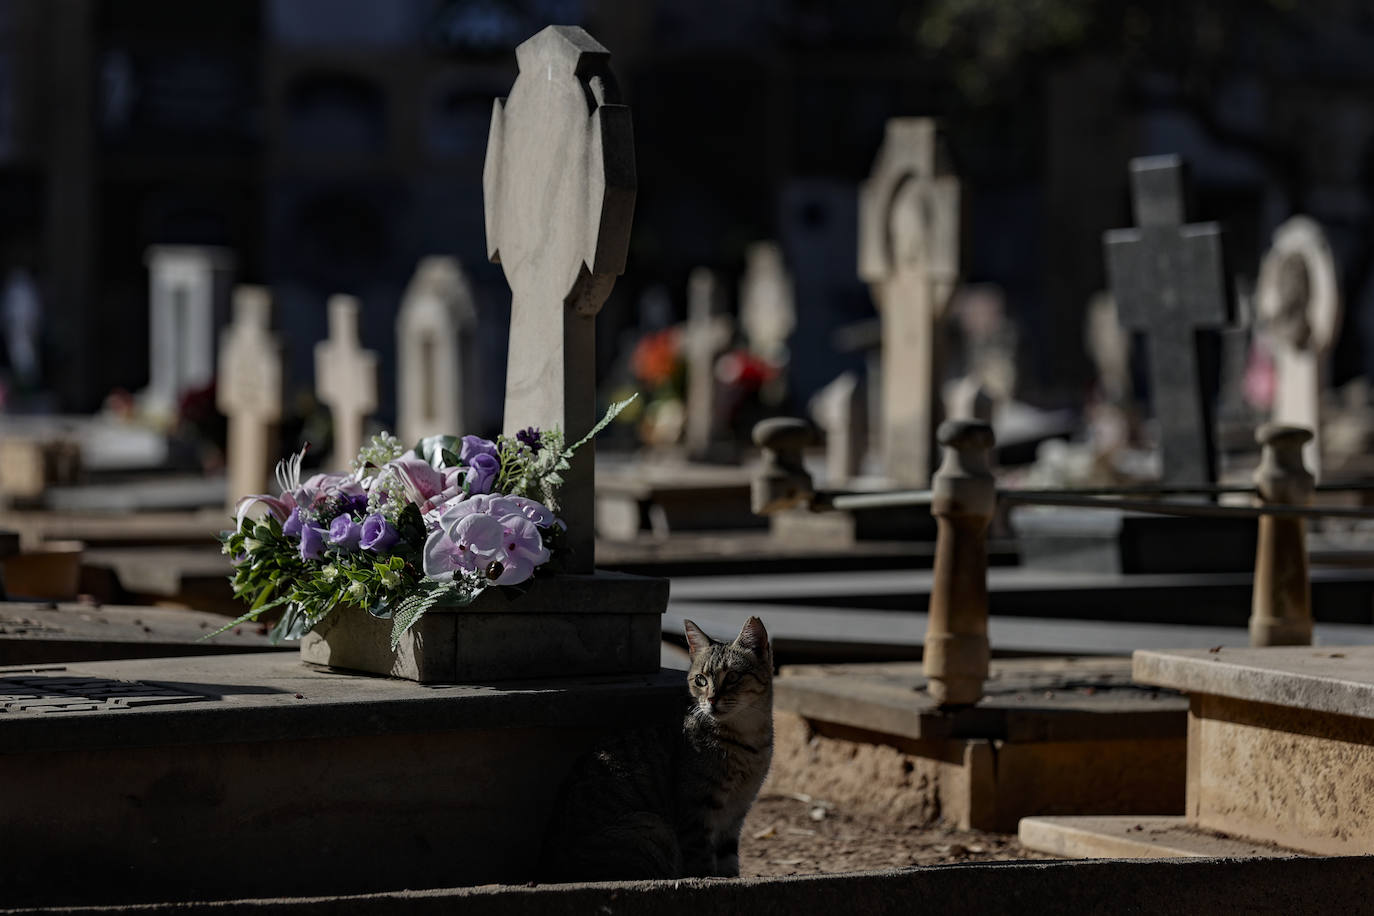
(559, 186)
(345, 379)
(909, 256)
(249, 392)
(708, 331)
(1169, 282)
(1299, 301)
(433, 351)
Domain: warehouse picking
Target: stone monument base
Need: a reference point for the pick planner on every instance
(561, 626)
(1280, 747)
(257, 776)
(1053, 736)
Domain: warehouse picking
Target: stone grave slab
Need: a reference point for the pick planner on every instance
(78, 632)
(96, 529)
(1061, 735)
(1106, 540)
(662, 497)
(1280, 743)
(157, 775)
(1134, 837)
(189, 576)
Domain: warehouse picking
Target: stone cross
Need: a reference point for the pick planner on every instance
(909, 256)
(559, 188)
(707, 333)
(249, 392)
(1169, 282)
(182, 318)
(345, 379)
(767, 307)
(838, 409)
(1299, 300)
(434, 351)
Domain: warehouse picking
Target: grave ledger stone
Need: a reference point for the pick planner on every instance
(250, 392)
(909, 255)
(559, 227)
(345, 379)
(434, 351)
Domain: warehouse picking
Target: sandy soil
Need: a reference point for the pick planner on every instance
(801, 835)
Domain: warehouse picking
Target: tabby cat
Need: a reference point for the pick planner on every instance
(669, 802)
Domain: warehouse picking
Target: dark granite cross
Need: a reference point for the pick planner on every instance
(1169, 282)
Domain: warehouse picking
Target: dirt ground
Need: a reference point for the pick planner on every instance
(862, 808)
(801, 835)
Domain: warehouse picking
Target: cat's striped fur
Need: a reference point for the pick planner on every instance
(669, 803)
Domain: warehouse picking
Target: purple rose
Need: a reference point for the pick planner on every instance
(476, 445)
(377, 535)
(345, 532)
(292, 526)
(482, 471)
(312, 542)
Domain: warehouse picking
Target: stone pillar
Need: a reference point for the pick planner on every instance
(782, 481)
(963, 497)
(1281, 610)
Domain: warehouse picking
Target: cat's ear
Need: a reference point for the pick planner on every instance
(696, 638)
(753, 637)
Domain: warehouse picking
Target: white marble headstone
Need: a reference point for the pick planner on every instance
(434, 351)
(909, 256)
(707, 333)
(183, 318)
(345, 379)
(1299, 302)
(249, 392)
(559, 187)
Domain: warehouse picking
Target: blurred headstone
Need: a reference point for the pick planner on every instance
(767, 308)
(838, 410)
(185, 283)
(559, 185)
(22, 317)
(707, 333)
(1299, 302)
(434, 351)
(909, 255)
(1169, 282)
(345, 379)
(249, 392)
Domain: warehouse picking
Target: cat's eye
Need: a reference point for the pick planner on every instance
(699, 680)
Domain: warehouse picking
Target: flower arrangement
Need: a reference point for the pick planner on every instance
(404, 530)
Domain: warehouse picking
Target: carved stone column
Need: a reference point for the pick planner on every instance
(1281, 610)
(963, 499)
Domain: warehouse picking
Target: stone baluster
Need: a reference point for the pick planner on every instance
(1281, 610)
(963, 497)
(781, 482)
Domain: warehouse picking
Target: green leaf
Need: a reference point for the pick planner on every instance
(292, 625)
(611, 413)
(432, 449)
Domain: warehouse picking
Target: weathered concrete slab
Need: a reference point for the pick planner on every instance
(98, 529)
(1309, 677)
(166, 493)
(565, 625)
(663, 497)
(76, 632)
(1264, 886)
(1280, 742)
(157, 775)
(1050, 736)
(1134, 837)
